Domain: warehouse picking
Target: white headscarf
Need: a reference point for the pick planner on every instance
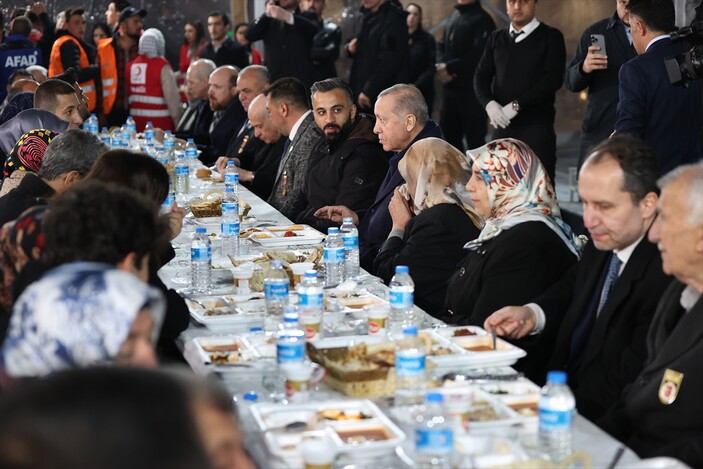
(152, 43)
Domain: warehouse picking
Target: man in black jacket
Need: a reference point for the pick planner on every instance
(287, 34)
(325, 44)
(380, 51)
(355, 165)
(517, 79)
(465, 36)
(18, 52)
(221, 49)
(597, 70)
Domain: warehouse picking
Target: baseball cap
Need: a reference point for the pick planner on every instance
(130, 12)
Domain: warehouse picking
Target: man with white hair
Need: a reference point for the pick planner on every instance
(660, 413)
(196, 87)
(152, 91)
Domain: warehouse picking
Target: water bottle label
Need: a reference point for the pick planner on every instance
(350, 242)
(409, 366)
(181, 170)
(203, 253)
(276, 291)
(231, 209)
(149, 135)
(170, 199)
(191, 153)
(169, 144)
(230, 229)
(230, 179)
(555, 420)
(310, 300)
(401, 299)
(290, 352)
(434, 441)
(334, 255)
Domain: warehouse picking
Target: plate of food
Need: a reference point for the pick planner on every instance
(229, 351)
(216, 311)
(478, 347)
(287, 235)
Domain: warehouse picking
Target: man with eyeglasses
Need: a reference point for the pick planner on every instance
(517, 79)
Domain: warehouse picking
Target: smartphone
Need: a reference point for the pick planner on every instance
(598, 40)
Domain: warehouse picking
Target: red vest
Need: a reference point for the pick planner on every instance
(145, 95)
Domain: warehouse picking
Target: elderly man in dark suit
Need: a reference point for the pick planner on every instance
(660, 414)
(668, 117)
(289, 110)
(594, 322)
(401, 120)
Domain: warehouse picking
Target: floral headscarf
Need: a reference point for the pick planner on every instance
(519, 191)
(77, 315)
(28, 152)
(435, 173)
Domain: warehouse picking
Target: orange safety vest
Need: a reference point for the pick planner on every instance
(56, 68)
(108, 73)
(145, 93)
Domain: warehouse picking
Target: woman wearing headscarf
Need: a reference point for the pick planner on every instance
(26, 155)
(151, 85)
(524, 246)
(431, 242)
(27, 120)
(19, 102)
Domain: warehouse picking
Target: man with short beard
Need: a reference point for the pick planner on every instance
(113, 55)
(351, 172)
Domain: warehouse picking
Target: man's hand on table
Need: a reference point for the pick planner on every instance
(175, 219)
(336, 213)
(513, 322)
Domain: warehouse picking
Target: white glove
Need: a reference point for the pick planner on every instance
(496, 115)
(509, 112)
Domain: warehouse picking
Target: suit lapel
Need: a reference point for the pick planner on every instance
(293, 143)
(687, 333)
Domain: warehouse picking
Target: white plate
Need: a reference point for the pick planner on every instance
(307, 235)
(506, 355)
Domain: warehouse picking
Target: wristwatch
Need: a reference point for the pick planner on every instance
(516, 106)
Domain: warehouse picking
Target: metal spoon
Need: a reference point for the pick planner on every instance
(494, 334)
(291, 427)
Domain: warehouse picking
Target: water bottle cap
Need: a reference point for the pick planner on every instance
(256, 329)
(556, 377)
(434, 396)
(276, 264)
(230, 163)
(104, 129)
(251, 396)
(333, 230)
(190, 140)
(149, 123)
(402, 269)
(200, 229)
(168, 132)
(310, 274)
(290, 317)
(129, 117)
(410, 330)
(348, 220)
(92, 114)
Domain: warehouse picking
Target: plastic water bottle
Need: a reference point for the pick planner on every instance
(310, 295)
(149, 133)
(231, 176)
(132, 128)
(125, 138)
(434, 436)
(409, 369)
(169, 200)
(192, 154)
(275, 289)
(169, 140)
(200, 260)
(91, 125)
(401, 298)
(290, 341)
(150, 149)
(334, 257)
(116, 139)
(350, 236)
(556, 414)
(181, 175)
(105, 136)
(230, 223)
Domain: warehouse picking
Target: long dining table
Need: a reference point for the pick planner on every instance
(266, 381)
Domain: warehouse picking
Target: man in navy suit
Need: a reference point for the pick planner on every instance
(401, 120)
(666, 116)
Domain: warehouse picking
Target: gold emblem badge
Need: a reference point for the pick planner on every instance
(670, 386)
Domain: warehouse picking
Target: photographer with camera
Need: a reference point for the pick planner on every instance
(668, 117)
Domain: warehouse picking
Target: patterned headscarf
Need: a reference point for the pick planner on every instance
(28, 152)
(435, 173)
(77, 315)
(519, 191)
(152, 43)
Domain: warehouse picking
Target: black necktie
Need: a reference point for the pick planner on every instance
(285, 147)
(514, 35)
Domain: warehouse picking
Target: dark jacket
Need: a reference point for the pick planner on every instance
(463, 43)
(230, 53)
(17, 53)
(432, 245)
(615, 350)
(667, 117)
(375, 223)
(287, 46)
(382, 52)
(262, 159)
(599, 119)
(325, 50)
(185, 128)
(220, 136)
(422, 64)
(651, 419)
(510, 269)
(31, 191)
(348, 175)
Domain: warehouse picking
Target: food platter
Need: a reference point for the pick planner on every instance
(284, 235)
(478, 347)
(225, 311)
